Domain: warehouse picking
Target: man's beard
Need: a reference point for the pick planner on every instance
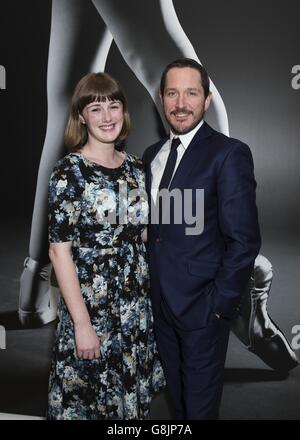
(186, 129)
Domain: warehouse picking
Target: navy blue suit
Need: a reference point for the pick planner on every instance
(195, 276)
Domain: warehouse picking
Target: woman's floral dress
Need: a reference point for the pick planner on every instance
(103, 212)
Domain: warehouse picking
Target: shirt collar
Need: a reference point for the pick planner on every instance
(186, 138)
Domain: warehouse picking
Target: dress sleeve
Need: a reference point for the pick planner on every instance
(64, 200)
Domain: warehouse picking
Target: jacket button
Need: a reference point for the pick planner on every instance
(158, 240)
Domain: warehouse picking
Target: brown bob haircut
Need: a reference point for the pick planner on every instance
(94, 87)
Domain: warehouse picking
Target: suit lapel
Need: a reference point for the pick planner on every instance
(188, 160)
(191, 156)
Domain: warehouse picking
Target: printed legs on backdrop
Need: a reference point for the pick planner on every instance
(255, 328)
(38, 297)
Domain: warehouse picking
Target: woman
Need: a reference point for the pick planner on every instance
(105, 362)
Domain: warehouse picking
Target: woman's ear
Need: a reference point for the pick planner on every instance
(81, 119)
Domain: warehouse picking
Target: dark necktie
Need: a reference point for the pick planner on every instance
(170, 165)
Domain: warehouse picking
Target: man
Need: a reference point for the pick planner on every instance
(197, 280)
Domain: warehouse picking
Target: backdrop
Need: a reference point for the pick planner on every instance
(250, 50)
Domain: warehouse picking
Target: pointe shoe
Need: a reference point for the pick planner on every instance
(38, 299)
(255, 328)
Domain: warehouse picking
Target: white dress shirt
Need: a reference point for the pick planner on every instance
(159, 162)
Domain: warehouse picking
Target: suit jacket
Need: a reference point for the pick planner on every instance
(200, 274)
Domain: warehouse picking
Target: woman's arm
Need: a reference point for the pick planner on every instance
(87, 342)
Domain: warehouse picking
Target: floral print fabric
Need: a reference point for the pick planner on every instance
(86, 208)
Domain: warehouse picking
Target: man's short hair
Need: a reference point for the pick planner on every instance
(186, 62)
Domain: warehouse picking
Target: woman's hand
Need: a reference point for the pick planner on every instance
(87, 341)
